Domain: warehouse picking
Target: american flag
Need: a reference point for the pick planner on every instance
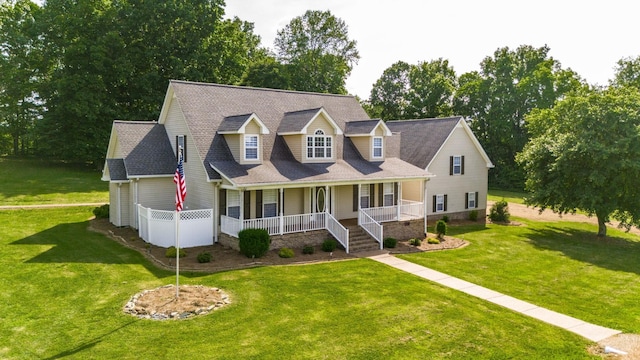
(181, 187)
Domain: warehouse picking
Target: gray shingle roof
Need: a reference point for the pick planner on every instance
(421, 139)
(146, 149)
(117, 171)
(295, 121)
(360, 127)
(233, 123)
(206, 105)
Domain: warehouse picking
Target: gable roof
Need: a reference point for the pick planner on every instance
(365, 128)
(422, 139)
(145, 150)
(297, 122)
(236, 124)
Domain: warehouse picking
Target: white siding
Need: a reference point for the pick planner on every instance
(118, 206)
(293, 201)
(363, 144)
(233, 141)
(296, 144)
(455, 186)
(158, 193)
(344, 203)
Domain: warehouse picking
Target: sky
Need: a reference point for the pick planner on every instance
(587, 36)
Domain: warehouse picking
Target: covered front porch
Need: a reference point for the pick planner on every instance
(291, 210)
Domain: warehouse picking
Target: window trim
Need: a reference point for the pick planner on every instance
(471, 198)
(326, 147)
(459, 165)
(181, 140)
(365, 188)
(374, 147)
(256, 147)
(439, 201)
(265, 202)
(386, 193)
(233, 201)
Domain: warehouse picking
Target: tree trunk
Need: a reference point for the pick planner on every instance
(602, 226)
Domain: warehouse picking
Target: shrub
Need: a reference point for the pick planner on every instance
(473, 215)
(445, 218)
(329, 245)
(499, 212)
(254, 243)
(204, 257)
(308, 250)
(285, 253)
(101, 212)
(415, 242)
(441, 228)
(390, 242)
(433, 241)
(171, 252)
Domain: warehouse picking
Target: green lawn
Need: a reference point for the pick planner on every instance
(64, 288)
(558, 265)
(31, 182)
(509, 196)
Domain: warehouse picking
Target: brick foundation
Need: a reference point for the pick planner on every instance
(292, 241)
(404, 230)
(462, 215)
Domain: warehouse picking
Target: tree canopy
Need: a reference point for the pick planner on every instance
(583, 155)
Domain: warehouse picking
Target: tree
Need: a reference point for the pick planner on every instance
(627, 72)
(509, 85)
(583, 155)
(20, 55)
(113, 60)
(317, 52)
(414, 91)
(266, 72)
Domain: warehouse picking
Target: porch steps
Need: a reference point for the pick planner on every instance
(360, 240)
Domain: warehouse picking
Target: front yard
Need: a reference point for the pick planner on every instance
(64, 289)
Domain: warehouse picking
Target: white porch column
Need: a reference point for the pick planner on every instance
(216, 210)
(399, 200)
(281, 195)
(359, 204)
(424, 201)
(326, 205)
(241, 215)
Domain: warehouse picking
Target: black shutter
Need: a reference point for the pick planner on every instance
(372, 194)
(450, 165)
(184, 151)
(258, 203)
(222, 201)
(466, 200)
(177, 148)
(355, 198)
(434, 203)
(462, 165)
(445, 202)
(380, 194)
(395, 193)
(477, 200)
(247, 204)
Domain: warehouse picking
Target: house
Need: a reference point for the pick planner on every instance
(447, 148)
(304, 166)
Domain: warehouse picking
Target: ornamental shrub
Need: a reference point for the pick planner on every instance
(285, 253)
(415, 242)
(473, 215)
(308, 250)
(171, 252)
(433, 241)
(101, 212)
(254, 243)
(204, 257)
(441, 228)
(390, 242)
(445, 218)
(329, 245)
(499, 212)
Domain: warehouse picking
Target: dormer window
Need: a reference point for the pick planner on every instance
(251, 147)
(377, 147)
(319, 146)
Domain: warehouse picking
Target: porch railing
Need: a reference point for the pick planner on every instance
(275, 225)
(338, 231)
(382, 214)
(411, 209)
(371, 226)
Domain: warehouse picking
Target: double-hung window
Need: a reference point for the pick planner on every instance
(251, 147)
(364, 196)
(471, 200)
(319, 146)
(457, 165)
(377, 147)
(270, 203)
(233, 204)
(387, 194)
(439, 203)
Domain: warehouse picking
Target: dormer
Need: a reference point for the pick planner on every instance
(369, 137)
(310, 135)
(244, 136)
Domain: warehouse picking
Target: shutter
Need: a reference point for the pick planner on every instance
(372, 194)
(380, 194)
(450, 165)
(184, 150)
(222, 201)
(466, 200)
(177, 149)
(445, 202)
(434, 203)
(355, 198)
(462, 165)
(247, 204)
(395, 193)
(258, 203)
(477, 200)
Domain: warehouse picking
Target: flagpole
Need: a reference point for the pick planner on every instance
(177, 254)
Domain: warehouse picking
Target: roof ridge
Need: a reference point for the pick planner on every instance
(144, 122)
(457, 117)
(259, 88)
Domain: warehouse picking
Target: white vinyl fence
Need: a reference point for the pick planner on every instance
(158, 227)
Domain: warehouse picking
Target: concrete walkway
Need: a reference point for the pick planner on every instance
(590, 331)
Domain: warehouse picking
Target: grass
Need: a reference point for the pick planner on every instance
(509, 196)
(559, 265)
(64, 288)
(34, 182)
